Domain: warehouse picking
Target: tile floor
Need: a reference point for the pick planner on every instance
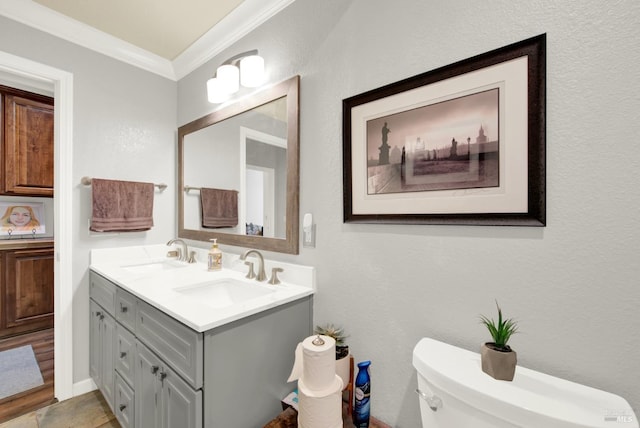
(86, 411)
(91, 411)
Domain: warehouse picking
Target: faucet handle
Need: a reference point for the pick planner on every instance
(274, 275)
(173, 254)
(192, 257)
(251, 274)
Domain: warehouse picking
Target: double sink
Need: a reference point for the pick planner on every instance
(196, 297)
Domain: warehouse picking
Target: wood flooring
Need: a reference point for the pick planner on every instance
(35, 398)
(84, 411)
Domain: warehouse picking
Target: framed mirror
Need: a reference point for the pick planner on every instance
(239, 172)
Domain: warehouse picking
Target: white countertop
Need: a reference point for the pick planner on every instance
(158, 288)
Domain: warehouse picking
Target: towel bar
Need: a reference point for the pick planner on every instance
(187, 188)
(87, 182)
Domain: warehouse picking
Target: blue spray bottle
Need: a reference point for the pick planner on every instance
(363, 391)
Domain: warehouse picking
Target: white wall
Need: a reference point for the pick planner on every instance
(573, 285)
(124, 128)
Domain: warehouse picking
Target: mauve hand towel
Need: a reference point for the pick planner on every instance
(219, 207)
(121, 206)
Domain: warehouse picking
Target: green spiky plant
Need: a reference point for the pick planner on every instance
(338, 334)
(500, 331)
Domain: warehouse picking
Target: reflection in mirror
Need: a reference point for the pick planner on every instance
(249, 150)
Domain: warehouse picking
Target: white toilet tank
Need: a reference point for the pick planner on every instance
(455, 393)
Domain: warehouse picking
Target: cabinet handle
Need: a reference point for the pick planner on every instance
(98, 314)
(123, 309)
(154, 369)
(163, 375)
(123, 354)
(101, 317)
(122, 407)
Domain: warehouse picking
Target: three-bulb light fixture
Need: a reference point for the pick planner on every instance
(246, 69)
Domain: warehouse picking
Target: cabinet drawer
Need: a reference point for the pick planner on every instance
(103, 292)
(125, 353)
(177, 344)
(126, 309)
(124, 403)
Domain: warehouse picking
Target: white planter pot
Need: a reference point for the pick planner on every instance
(343, 369)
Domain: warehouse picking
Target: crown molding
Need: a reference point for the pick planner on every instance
(249, 15)
(42, 18)
(246, 17)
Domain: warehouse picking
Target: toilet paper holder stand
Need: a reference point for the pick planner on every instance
(349, 387)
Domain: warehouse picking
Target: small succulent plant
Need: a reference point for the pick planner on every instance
(332, 331)
(500, 331)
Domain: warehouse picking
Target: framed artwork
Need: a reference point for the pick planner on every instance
(463, 144)
(22, 218)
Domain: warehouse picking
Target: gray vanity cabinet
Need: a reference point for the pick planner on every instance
(156, 372)
(247, 364)
(101, 359)
(163, 399)
(125, 353)
(124, 403)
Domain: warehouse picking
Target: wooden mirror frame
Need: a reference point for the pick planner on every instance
(289, 89)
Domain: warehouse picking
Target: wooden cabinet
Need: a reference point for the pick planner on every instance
(27, 143)
(26, 290)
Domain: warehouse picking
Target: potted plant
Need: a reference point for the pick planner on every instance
(498, 359)
(342, 349)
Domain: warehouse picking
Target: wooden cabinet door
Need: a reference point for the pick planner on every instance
(28, 146)
(27, 300)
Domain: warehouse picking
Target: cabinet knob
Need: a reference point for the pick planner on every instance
(124, 309)
(163, 375)
(122, 407)
(154, 369)
(98, 314)
(123, 354)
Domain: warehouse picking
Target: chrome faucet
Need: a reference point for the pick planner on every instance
(183, 252)
(261, 276)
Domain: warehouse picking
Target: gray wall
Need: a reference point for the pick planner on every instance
(124, 127)
(573, 285)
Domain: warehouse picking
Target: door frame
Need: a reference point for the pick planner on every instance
(63, 212)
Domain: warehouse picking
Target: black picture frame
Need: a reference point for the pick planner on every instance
(518, 73)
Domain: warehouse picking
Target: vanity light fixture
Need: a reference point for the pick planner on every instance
(246, 69)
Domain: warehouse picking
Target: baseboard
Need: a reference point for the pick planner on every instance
(83, 387)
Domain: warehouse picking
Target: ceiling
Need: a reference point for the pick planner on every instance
(167, 37)
(163, 27)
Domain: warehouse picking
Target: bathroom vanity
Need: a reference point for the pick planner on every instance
(174, 345)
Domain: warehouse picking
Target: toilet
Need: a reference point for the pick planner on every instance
(454, 392)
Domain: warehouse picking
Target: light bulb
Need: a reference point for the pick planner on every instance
(252, 71)
(229, 75)
(215, 93)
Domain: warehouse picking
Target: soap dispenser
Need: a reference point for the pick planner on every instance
(214, 258)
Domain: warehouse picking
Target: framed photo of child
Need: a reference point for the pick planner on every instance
(22, 218)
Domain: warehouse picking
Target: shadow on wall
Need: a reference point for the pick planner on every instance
(410, 408)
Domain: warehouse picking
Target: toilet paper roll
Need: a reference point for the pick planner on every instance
(320, 409)
(315, 362)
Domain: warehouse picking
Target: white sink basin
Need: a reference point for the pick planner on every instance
(156, 266)
(225, 292)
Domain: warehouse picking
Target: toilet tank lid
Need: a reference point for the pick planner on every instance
(531, 396)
